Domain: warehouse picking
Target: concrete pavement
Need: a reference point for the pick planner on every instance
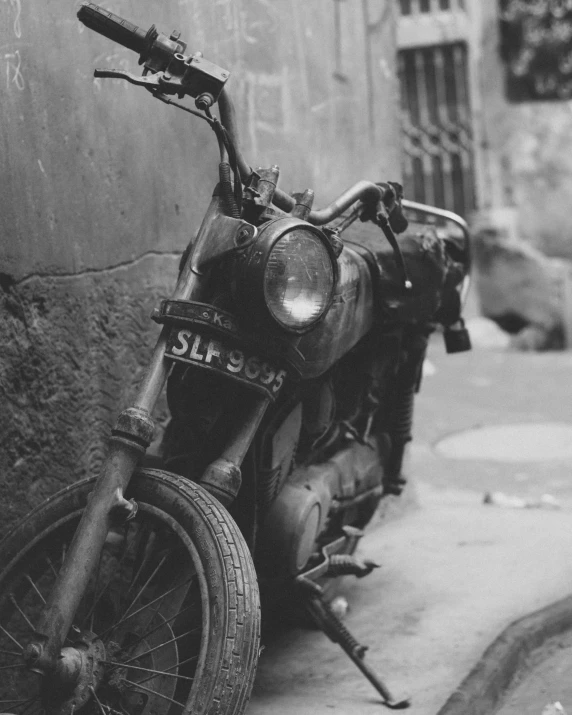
(454, 571)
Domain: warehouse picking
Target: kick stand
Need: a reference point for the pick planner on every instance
(336, 631)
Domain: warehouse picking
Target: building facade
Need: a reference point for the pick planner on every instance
(505, 165)
(102, 187)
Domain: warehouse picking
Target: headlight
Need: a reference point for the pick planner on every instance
(298, 280)
(289, 275)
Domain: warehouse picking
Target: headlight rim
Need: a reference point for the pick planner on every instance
(252, 289)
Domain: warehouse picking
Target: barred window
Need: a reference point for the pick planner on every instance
(438, 165)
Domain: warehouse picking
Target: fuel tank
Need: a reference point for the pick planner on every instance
(349, 318)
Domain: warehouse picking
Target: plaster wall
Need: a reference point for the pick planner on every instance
(101, 188)
(526, 155)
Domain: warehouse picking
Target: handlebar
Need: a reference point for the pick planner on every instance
(363, 190)
(113, 27)
(134, 38)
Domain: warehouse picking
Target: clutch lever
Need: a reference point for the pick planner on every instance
(151, 82)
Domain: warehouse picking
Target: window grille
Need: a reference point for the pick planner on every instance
(413, 7)
(438, 166)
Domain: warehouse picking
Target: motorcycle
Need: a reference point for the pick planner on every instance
(291, 350)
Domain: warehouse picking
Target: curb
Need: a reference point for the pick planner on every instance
(481, 691)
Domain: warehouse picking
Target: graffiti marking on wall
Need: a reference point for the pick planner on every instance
(269, 104)
(14, 74)
(16, 6)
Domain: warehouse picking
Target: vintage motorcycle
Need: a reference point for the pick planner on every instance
(291, 355)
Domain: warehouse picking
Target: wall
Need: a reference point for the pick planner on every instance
(527, 155)
(101, 188)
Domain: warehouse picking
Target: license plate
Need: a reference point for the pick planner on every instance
(198, 349)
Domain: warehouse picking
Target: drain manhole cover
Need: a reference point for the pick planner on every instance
(511, 443)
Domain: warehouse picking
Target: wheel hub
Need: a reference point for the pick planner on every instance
(79, 671)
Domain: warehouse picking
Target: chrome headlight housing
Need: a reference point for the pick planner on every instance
(289, 275)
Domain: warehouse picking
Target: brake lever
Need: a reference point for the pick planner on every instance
(150, 82)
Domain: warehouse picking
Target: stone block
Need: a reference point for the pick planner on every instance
(522, 290)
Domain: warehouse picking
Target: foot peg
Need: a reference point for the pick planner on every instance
(346, 565)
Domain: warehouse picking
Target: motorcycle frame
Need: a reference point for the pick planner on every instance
(133, 430)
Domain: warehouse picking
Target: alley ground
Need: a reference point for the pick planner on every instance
(454, 571)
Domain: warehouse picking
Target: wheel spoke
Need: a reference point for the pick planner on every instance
(176, 665)
(147, 625)
(142, 589)
(98, 701)
(36, 589)
(11, 638)
(102, 706)
(154, 692)
(163, 623)
(21, 612)
(151, 537)
(183, 662)
(147, 605)
(50, 564)
(147, 670)
(161, 645)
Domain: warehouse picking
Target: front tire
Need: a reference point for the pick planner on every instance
(174, 601)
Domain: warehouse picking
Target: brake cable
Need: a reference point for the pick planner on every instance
(222, 134)
(223, 139)
(166, 100)
(382, 221)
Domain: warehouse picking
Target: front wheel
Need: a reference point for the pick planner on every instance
(170, 619)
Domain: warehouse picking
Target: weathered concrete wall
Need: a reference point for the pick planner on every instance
(101, 188)
(72, 349)
(527, 152)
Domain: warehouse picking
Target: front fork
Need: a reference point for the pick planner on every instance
(130, 438)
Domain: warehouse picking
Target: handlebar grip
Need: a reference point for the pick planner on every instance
(113, 27)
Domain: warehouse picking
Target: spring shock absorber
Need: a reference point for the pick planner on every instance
(407, 382)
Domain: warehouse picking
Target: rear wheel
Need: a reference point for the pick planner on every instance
(170, 620)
